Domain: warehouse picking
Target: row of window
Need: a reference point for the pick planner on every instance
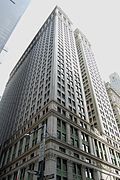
(77, 171)
(76, 137)
(39, 75)
(97, 85)
(61, 171)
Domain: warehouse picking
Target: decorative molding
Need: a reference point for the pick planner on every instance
(50, 155)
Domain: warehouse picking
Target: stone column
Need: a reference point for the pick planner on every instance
(1, 161)
(52, 126)
(26, 173)
(35, 169)
(83, 172)
(11, 153)
(39, 134)
(80, 139)
(6, 157)
(93, 145)
(50, 164)
(92, 150)
(69, 170)
(16, 155)
(24, 142)
(68, 133)
(78, 121)
(96, 174)
(31, 138)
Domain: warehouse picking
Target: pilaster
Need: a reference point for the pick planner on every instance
(68, 133)
(69, 169)
(50, 164)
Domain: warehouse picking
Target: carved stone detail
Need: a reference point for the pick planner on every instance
(50, 155)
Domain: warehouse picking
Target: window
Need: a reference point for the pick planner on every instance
(9, 177)
(4, 158)
(9, 154)
(89, 173)
(61, 168)
(118, 158)
(58, 177)
(113, 157)
(22, 174)
(35, 136)
(59, 109)
(61, 130)
(14, 151)
(15, 175)
(85, 142)
(76, 171)
(27, 144)
(104, 151)
(31, 167)
(74, 136)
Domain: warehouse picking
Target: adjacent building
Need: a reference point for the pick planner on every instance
(115, 82)
(115, 102)
(47, 89)
(99, 108)
(10, 13)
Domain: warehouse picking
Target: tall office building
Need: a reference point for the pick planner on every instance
(99, 108)
(115, 102)
(115, 82)
(46, 89)
(10, 13)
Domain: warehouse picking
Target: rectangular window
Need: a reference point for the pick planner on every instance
(76, 171)
(85, 142)
(22, 174)
(35, 136)
(118, 158)
(74, 136)
(9, 154)
(4, 158)
(61, 130)
(96, 148)
(14, 151)
(20, 147)
(89, 173)
(27, 144)
(112, 155)
(61, 168)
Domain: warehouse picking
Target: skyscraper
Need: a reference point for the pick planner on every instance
(99, 108)
(115, 82)
(46, 89)
(10, 13)
(115, 102)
